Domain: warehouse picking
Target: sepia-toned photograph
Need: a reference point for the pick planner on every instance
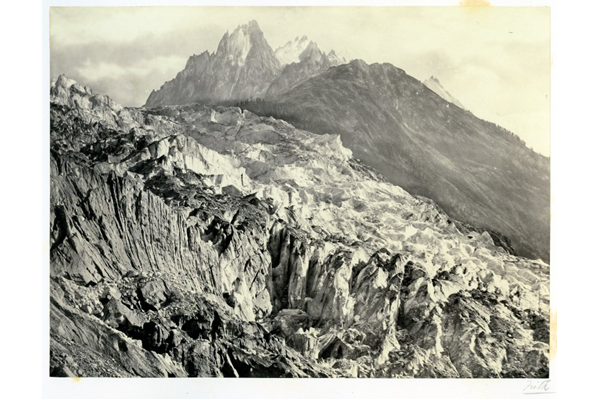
(299, 192)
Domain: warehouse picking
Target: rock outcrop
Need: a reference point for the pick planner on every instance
(198, 241)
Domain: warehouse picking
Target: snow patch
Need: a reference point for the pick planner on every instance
(290, 52)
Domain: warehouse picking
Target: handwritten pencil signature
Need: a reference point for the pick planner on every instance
(537, 387)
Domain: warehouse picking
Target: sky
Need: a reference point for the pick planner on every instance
(494, 60)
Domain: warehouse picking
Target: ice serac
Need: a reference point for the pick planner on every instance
(478, 172)
(434, 84)
(242, 68)
(209, 241)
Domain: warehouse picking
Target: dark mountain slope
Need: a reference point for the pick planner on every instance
(478, 172)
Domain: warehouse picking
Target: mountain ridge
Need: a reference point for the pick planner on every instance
(480, 173)
(223, 76)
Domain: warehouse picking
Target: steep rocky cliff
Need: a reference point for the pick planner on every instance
(243, 67)
(196, 241)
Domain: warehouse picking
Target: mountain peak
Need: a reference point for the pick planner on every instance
(311, 50)
(242, 67)
(63, 81)
(358, 63)
(250, 26)
(435, 86)
(291, 51)
(301, 59)
(235, 46)
(334, 59)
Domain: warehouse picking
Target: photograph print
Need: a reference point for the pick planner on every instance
(299, 192)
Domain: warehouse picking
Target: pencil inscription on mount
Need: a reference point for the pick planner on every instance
(289, 214)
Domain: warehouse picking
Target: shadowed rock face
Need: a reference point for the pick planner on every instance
(197, 241)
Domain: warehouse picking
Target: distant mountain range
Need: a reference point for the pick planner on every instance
(244, 67)
(414, 133)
